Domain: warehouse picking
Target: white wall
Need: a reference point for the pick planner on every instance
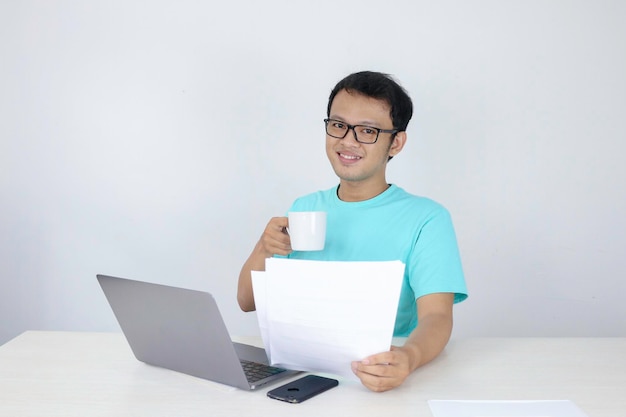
(154, 139)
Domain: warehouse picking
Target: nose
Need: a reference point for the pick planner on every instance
(353, 139)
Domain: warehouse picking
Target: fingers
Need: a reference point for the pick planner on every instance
(275, 240)
(382, 372)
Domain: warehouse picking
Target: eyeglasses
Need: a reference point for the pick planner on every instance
(363, 134)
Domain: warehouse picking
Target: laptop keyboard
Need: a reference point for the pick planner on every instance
(257, 371)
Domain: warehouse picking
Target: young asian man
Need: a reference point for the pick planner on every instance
(370, 219)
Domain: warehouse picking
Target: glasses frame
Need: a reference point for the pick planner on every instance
(352, 127)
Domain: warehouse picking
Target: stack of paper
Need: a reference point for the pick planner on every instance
(320, 316)
(556, 408)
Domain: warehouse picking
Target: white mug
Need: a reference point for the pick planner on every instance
(307, 230)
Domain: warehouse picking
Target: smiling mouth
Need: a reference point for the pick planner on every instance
(349, 157)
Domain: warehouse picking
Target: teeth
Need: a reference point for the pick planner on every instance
(350, 156)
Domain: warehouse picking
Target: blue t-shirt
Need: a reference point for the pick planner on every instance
(394, 225)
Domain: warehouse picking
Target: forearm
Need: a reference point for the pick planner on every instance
(245, 295)
(273, 241)
(428, 339)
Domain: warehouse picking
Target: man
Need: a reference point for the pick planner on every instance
(371, 220)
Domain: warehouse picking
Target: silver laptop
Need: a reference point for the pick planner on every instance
(183, 330)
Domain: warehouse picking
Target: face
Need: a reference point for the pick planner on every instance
(362, 163)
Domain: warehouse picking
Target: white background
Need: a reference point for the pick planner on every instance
(154, 140)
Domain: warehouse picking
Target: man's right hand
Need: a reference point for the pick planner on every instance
(275, 239)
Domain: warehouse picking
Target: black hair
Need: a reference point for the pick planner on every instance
(381, 87)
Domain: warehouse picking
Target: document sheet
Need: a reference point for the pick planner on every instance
(556, 408)
(320, 316)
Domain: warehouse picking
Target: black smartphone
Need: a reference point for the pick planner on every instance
(302, 389)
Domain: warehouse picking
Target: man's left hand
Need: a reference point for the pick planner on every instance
(385, 371)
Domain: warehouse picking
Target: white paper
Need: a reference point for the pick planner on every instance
(556, 408)
(259, 288)
(320, 316)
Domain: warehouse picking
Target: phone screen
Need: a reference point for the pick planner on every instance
(302, 389)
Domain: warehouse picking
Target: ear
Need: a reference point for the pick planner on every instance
(397, 144)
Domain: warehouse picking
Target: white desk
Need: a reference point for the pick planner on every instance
(95, 374)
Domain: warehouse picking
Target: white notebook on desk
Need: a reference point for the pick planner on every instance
(557, 408)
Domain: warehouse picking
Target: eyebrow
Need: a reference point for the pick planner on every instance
(361, 123)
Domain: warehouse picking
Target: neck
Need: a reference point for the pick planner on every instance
(353, 192)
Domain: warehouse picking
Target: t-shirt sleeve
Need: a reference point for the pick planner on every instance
(435, 262)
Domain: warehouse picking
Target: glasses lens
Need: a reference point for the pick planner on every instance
(366, 134)
(336, 129)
